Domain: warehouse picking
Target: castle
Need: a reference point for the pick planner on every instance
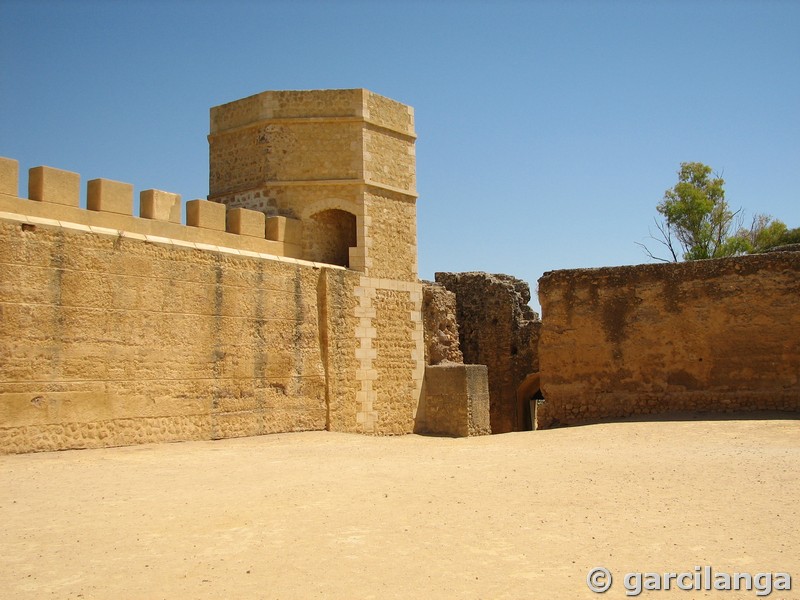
(290, 300)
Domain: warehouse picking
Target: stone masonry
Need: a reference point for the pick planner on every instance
(441, 325)
(288, 302)
(498, 329)
(455, 398)
(713, 335)
(455, 401)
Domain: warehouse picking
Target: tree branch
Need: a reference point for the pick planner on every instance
(665, 240)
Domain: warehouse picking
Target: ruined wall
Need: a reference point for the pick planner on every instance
(441, 325)
(498, 329)
(697, 336)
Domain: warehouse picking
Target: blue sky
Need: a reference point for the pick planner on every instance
(548, 131)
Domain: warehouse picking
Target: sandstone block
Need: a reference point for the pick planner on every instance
(109, 196)
(9, 176)
(282, 229)
(456, 401)
(160, 206)
(246, 222)
(46, 184)
(205, 214)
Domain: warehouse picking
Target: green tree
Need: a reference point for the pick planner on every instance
(697, 220)
(792, 236)
(764, 233)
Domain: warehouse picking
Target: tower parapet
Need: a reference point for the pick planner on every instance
(341, 161)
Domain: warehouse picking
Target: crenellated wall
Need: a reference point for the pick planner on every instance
(121, 329)
(716, 335)
(114, 333)
(55, 199)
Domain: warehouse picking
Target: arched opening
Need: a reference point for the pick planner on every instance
(329, 235)
(529, 395)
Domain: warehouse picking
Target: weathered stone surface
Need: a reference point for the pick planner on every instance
(156, 231)
(56, 186)
(696, 336)
(286, 230)
(206, 215)
(395, 362)
(342, 162)
(243, 221)
(498, 329)
(455, 401)
(9, 176)
(441, 325)
(120, 330)
(159, 205)
(109, 196)
(786, 248)
(109, 340)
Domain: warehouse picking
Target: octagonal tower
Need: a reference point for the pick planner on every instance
(340, 163)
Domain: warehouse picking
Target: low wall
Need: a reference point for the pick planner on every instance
(718, 335)
(455, 401)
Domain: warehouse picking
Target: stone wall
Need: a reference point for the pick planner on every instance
(441, 325)
(289, 302)
(246, 157)
(110, 338)
(717, 335)
(391, 221)
(498, 329)
(455, 401)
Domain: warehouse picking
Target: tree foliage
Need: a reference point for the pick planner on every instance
(696, 214)
(766, 233)
(697, 222)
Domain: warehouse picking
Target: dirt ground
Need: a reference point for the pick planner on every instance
(326, 515)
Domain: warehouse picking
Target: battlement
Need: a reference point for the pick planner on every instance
(288, 300)
(315, 106)
(54, 200)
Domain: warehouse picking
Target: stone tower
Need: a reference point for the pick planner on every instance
(339, 164)
(337, 167)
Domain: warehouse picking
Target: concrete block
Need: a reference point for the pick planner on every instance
(205, 214)
(283, 229)
(160, 206)
(46, 184)
(243, 221)
(109, 196)
(9, 176)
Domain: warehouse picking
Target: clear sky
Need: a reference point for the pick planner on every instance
(548, 131)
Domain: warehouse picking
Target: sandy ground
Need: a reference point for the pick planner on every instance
(326, 515)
